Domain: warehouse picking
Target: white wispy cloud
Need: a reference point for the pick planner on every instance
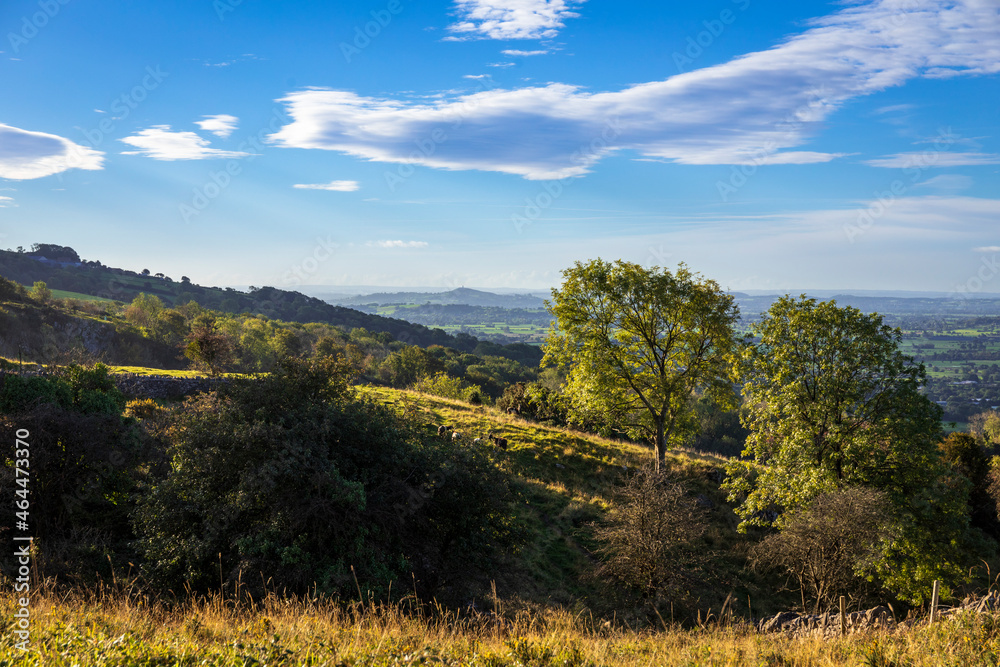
(25, 155)
(925, 159)
(516, 52)
(6, 201)
(987, 248)
(336, 186)
(399, 244)
(221, 125)
(475, 76)
(754, 109)
(947, 182)
(160, 143)
(511, 19)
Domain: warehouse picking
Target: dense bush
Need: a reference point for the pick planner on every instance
(445, 386)
(533, 400)
(292, 480)
(83, 464)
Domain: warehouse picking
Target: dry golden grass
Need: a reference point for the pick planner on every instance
(125, 630)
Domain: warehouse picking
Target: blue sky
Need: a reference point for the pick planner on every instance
(768, 145)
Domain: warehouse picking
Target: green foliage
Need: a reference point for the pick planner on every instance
(77, 388)
(83, 467)
(291, 476)
(720, 430)
(207, 346)
(144, 311)
(406, 366)
(12, 291)
(535, 401)
(41, 292)
(638, 344)
(832, 403)
(968, 458)
(986, 427)
(443, 385)
(55, 252)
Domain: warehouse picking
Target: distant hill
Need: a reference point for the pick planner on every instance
(93, 278)
(893, 307)
(462, 296)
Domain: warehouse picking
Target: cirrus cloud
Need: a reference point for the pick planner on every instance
(26, 155)
(934, 159)
(752, 109)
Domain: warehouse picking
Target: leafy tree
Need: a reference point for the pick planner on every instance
(986, 426)
(207, 346)
(968, 458)
(12, 291)
(54, 252)
(144, 310)
(639, 344)
(833, 403)
(41, 292)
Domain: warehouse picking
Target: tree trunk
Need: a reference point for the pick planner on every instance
(661, 447)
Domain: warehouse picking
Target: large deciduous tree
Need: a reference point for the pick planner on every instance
(639, 344)
(832, 403)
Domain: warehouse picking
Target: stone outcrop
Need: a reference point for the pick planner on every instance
(163, 386)
(145, 386)
(878, 618)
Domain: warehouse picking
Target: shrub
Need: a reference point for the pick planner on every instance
(443, 385)
(84, 460)
(648, 539)
(290, 478)
(830, 546)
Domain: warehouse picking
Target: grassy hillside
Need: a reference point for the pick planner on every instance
(93, 278)
(568, 480)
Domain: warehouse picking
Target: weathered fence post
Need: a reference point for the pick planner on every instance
(843, 616)
(934, 600)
